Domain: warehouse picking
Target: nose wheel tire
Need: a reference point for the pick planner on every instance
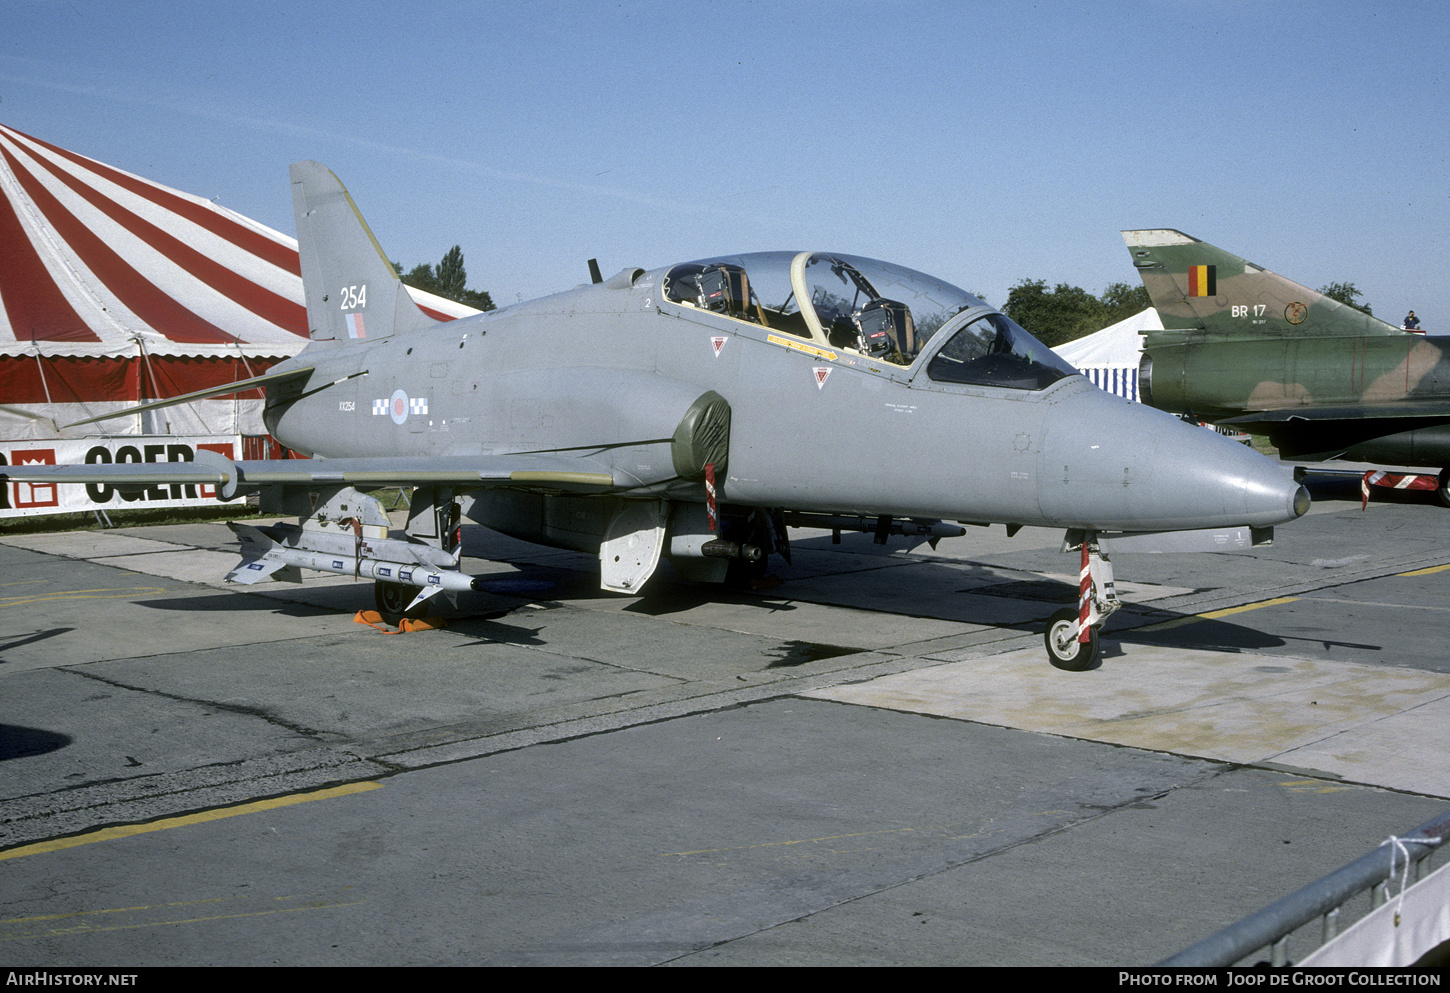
(392, 601)
(1063, 649)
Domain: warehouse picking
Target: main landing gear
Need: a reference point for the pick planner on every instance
(434, 516)
(393, 600)
(1072, 633)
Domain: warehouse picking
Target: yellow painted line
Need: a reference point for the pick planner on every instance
(928, 828)
(1252, 606)
(128, 830)
(1215, 614)
(1424, 572)
(85, 927)
(795, 841)
(76, 914)
(120, 592)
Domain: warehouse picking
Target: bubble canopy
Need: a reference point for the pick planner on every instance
(876, 309)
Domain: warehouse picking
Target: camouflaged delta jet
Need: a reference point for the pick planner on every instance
(1246, 347)
(696, 412)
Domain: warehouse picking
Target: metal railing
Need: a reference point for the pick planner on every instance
(1272, 927)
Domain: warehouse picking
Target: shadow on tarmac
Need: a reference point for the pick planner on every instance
(31, 639)
(18, 742)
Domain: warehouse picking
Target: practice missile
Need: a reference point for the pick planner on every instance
(265, 550)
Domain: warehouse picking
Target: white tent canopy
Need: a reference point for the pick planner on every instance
(1110, 357)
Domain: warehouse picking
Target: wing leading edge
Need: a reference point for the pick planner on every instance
(231, 478)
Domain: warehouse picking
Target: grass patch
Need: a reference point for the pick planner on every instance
(1262, 446)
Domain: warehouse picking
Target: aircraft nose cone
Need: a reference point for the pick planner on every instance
(1113, 465)
(1239, 481)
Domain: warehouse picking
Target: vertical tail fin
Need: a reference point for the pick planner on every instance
(351, 289)
(1197, 287)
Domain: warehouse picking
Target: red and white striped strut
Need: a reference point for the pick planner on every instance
(710, 512)
(1084, 597)
(1097, 599)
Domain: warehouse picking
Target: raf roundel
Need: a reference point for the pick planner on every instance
(399, 406)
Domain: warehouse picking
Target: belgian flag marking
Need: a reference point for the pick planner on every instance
(1202, 281)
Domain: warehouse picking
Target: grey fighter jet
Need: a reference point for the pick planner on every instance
(696, 412)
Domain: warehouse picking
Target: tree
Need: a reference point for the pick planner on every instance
(451, 276)
(1122, 301)
(1065, 313)
(448, 280)
(1069, 312)
(1346, 293)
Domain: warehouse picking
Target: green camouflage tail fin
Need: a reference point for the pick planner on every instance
(1198, 288)
(351, 288)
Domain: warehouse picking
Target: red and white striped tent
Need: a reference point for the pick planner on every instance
(115, 289)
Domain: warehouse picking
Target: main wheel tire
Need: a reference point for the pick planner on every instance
(1063, 649)
(392, 601)
(1442, 492)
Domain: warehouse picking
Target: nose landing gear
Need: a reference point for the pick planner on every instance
(1072, 633)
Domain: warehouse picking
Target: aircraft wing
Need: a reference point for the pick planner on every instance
(1435, 411)
(545, 472)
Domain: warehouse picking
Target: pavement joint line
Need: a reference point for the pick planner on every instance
(184, 820)
(219, 705)
(1214, 770)
(75, 821)
(156, 786)
(463, 749)
(1424, 572)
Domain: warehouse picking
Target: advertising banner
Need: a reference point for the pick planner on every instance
(29, 499)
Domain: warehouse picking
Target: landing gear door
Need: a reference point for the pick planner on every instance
(632, 544)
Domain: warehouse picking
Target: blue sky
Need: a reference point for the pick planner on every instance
(984, 143)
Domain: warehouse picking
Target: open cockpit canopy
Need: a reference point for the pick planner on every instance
(876, 309)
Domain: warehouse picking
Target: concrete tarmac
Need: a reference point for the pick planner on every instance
(870, 764)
